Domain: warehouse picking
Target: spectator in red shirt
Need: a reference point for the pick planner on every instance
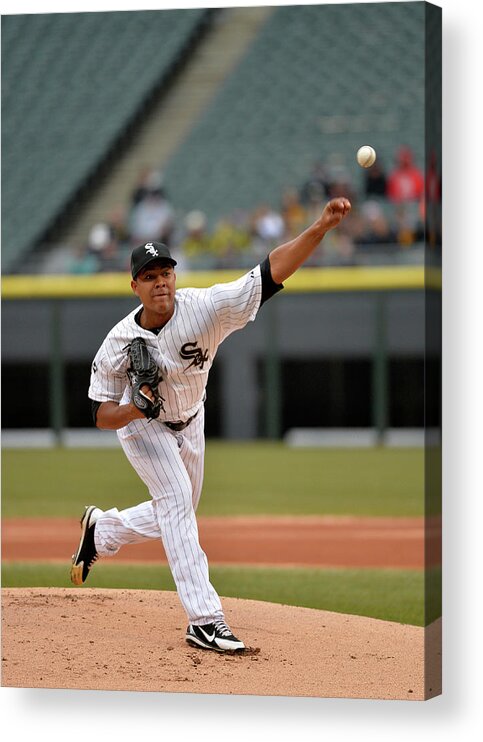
(406, 181)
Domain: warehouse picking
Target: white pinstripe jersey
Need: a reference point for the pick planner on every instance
(185, 347)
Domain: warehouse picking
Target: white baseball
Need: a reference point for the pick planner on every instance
(366, 156)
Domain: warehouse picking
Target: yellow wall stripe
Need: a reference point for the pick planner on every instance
(107, 285)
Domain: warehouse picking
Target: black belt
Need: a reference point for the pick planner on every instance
(177, 427)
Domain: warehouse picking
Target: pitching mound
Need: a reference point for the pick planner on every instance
(134, 640)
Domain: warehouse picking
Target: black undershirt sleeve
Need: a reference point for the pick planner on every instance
(269, 287)
(94, 407)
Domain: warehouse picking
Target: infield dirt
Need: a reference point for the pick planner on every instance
(344, 541)
(134, 640)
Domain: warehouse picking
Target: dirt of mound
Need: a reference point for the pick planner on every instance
(408, 543)
(134, 640)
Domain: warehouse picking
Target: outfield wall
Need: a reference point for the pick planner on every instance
(330, 342)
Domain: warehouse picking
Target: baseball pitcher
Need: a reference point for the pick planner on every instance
(148, 383)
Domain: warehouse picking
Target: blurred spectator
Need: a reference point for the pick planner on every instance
(84, 261)
(100, 253)
(405, 182)
(408, 223)
(102, 242)
(375, 181)
(340, 184)
(196, 246)
(293, 213)
(315, 189)
(432, 215)
(433, 179)
(118, 224)
(152, 218)
(374, 227)
(268, 224)
(150, 179)
(229, 241)
(338, 249)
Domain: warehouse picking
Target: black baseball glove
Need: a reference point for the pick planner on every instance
(144, 371)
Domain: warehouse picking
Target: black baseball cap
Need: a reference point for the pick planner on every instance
(148, 252)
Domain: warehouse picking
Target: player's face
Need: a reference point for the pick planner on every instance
(155, 286)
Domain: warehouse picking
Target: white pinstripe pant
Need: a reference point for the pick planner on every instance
(171, 465)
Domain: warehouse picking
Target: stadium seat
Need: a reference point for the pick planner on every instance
(297, 96)
(71, 84)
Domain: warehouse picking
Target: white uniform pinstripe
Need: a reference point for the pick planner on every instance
(170, 463)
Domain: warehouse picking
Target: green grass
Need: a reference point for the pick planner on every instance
(388, 594)
(240, 478)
